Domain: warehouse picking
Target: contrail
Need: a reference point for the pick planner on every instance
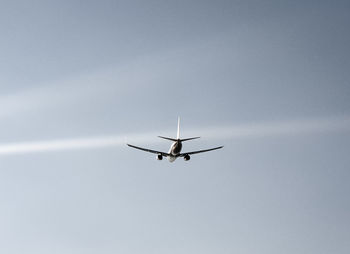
(70, 144)
(252, 130)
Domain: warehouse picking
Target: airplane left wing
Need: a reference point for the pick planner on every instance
(200, 151)
(149, 150)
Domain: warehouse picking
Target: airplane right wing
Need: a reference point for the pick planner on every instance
(149, 150)
(200, 151)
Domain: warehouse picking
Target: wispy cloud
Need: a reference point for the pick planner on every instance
(105, 83)
(281, 128)
(71, 144)
(250, 130)
(61, 92)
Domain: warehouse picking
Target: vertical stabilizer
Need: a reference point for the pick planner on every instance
(178, 128)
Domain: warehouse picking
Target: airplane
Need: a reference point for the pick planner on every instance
(175, 148)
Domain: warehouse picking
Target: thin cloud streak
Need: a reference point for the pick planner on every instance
(108, 82)
(280, 128)
(253, 130)
(70, 144)
(61, 92)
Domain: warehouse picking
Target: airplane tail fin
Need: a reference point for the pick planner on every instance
(178, 128)
(178, 134)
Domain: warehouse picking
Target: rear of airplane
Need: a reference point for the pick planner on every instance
(178, 134)
(175, 149)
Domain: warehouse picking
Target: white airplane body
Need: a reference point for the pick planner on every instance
(175, 148)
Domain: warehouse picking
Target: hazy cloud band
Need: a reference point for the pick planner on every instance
(252, 130)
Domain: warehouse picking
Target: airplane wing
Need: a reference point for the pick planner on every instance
(200, 151)
(149, 150)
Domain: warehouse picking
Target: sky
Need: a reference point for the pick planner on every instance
(269, 80)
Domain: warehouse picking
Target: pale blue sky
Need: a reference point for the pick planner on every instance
(80, 69)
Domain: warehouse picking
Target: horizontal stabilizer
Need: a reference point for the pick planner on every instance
(175, 140)
(186, 139)
(171, 139)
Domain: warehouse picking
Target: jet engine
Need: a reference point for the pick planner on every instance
(159, 157)
(187, 157)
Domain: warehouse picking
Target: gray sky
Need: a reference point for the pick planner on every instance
(267, 79)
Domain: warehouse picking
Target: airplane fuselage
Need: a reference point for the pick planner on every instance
(175, 149)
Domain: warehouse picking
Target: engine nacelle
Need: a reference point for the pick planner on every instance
(159, 157)
(187, 157)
